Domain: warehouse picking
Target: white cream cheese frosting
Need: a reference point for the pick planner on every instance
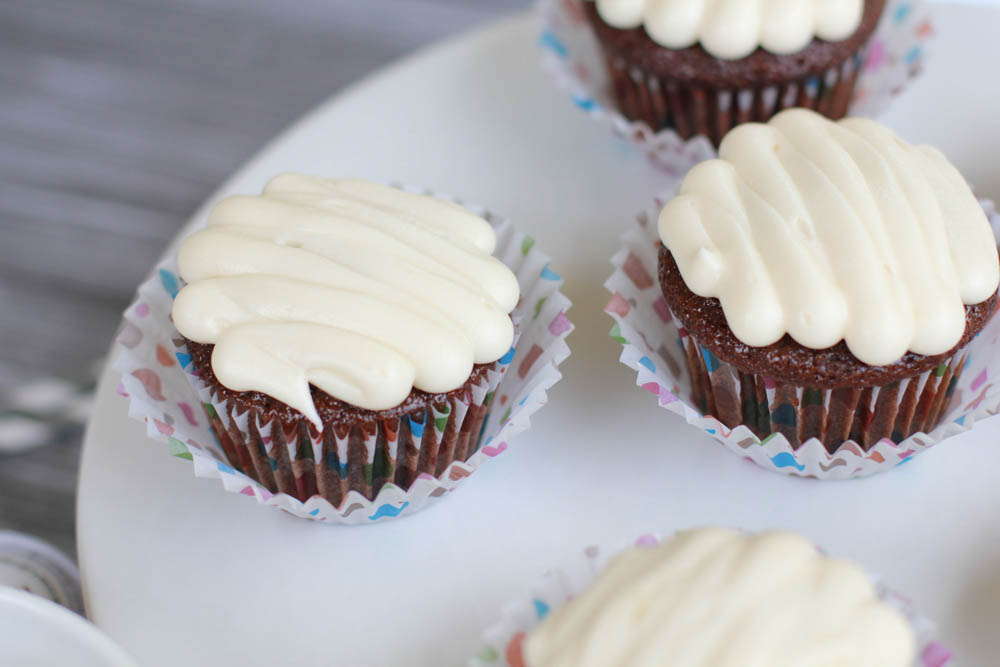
(831, 231)
(733, 29)
(715, 597)
(363, 290)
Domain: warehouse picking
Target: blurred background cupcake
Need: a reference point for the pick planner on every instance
(712, 596)
(704, 67)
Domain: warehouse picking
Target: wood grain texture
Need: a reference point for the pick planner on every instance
(117, 118)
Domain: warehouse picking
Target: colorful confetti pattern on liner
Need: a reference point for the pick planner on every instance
(652, 345)
(571, 54)
(503, 641)
(160, 395)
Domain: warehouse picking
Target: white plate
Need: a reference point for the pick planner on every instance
(180, 572)
(35, 632)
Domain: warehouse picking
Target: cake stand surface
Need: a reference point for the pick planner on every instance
(179, 572)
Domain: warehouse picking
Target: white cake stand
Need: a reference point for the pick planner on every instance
(180, 572)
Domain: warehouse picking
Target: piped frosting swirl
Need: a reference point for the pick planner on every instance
(363, 290)
(833, 231)
(733, 29)
(715, 597)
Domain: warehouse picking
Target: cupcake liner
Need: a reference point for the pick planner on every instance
(299, 461)
(177, 408)
(611, 92)
(502, 642)
(663, 353)
(713, 112)
(832, 416)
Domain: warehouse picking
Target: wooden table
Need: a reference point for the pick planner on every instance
(116, 120)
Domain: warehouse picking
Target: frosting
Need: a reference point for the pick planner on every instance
(715, 597)
(733, 29)
(363, 290)
(833, 231)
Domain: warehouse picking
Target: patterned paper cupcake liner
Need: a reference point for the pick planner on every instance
(612, 92)
(662, 353)
(690, 111)
(503, 641)
(831, 416)
(302, 462)
(199, 430)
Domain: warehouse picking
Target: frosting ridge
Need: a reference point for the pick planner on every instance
(715, 597)
(732, 29)
(363, 290)
(832, 231)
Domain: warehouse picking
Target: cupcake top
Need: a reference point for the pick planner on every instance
(733, 29)
(831, 231)
(363, 290)
(715, 597)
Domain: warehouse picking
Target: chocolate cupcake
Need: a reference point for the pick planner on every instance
(716, 596)
(829, 278)
(352, 333)
(702, 68)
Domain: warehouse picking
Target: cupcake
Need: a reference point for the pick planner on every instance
(351, 334)
(716, 597)
(704, 67)
(828, 277)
